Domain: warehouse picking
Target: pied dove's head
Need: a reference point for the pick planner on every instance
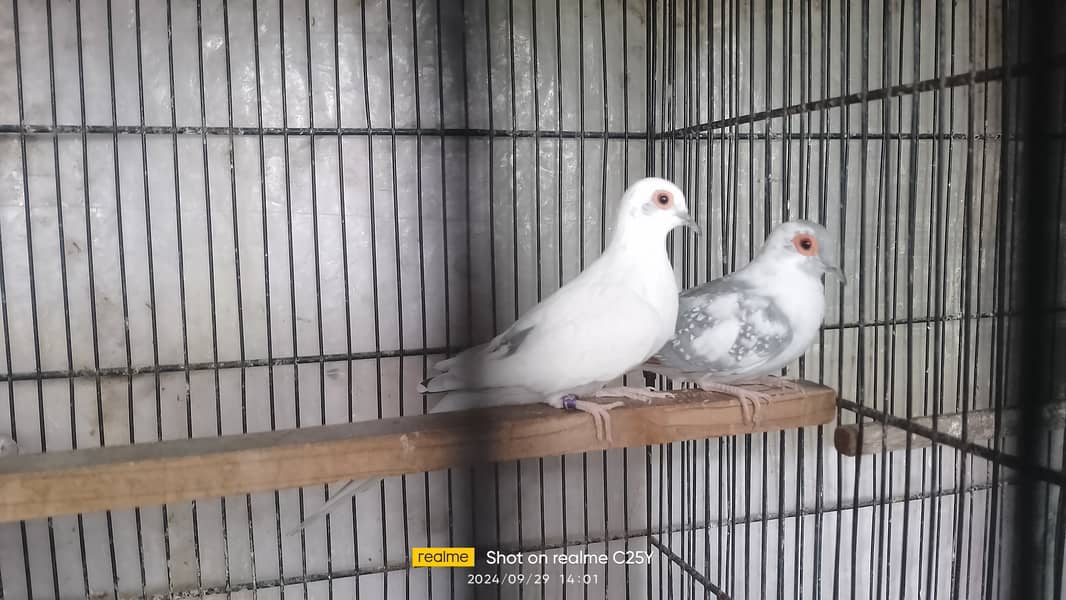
(804, 245)
(653, 207)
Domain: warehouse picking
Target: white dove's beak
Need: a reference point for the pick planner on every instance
(691, 223)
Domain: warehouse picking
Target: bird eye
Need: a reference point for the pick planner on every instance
(805, 244)
(663, 199)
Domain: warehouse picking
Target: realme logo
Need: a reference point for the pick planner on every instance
(442, 557)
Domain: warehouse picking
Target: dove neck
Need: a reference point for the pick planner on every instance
(774, 267)
(632, 240)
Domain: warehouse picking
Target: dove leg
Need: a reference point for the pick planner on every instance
(749, 399)
(600, 413)
(641, 394)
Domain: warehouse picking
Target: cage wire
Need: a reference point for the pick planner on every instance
(229, 217)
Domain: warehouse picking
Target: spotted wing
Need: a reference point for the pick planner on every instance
(726, 328)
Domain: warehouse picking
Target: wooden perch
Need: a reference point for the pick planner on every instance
(981, 425)
(119, 477)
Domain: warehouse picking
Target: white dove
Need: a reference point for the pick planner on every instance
(605, 322)
(744, 327)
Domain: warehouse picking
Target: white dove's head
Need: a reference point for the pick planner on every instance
(653, 205)
(805, 245)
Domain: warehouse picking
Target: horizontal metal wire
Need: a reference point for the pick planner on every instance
(397, 353)
(225, 364)
(40, 129)
(194, 130)
(904, 89)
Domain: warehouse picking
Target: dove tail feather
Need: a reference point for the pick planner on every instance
(352, 488)
(445, 382)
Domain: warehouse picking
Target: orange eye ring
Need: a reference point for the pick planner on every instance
(806, 244)
(662, 199)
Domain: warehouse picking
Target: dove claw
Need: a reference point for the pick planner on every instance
(640, 394)
(783, 383)
(750, 401)
(601, 417)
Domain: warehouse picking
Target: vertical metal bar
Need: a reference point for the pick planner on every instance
(860, 346)
(909, 369)
(32, 284)
(212, 298)
(559, 243)
(515, 272)
(767, 220)
(371, 203)
(399, 274)
(942, 212)
(947, 138)
(804, 163)
(989, 525)
(421, 265)
(237, 287)
(490, 108)
(318, 273)
(729, 256)
(399, 277)
(149, 255)
(707, 276)
(825, 65)
(845, 127)
(603, 244)
(890, 360)
(884, 466)
(287, 166)
(625, 177)
(64, 286)
(651, 43)
(266, 263)
(965, 339)
(669, 118)
(343, 209)
(469, 288)
(446, 261)
(181, 278)
(89, 253)
(534, 41)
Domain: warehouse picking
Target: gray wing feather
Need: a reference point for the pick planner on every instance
(725, 312)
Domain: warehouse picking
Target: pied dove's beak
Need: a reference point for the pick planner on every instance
(691, 223)
(835, 270)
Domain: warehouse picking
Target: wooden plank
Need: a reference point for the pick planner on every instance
(980, 426)
(94, 479)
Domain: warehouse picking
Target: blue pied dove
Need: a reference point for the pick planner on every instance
(745, 327)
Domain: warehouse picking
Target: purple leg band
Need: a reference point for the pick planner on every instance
(570, 402)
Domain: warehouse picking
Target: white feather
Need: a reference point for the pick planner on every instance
(606, 321)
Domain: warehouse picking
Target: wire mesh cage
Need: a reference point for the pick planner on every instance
(229, 217)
